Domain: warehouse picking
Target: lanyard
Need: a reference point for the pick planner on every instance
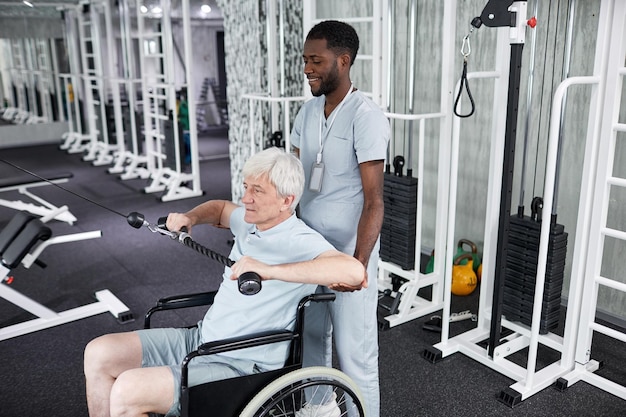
(322, 138)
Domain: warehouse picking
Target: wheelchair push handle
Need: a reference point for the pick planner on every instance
(322, 297)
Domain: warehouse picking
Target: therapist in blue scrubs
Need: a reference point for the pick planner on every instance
(341, 137)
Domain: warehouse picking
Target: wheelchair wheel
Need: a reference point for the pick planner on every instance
(285, 396)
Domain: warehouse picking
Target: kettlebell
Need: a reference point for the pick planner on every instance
(463, 276)
(473, 251)
(479, 272)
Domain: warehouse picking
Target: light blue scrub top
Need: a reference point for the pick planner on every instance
(359, 133)
(272, 308)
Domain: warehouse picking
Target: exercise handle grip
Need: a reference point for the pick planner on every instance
(249, 282)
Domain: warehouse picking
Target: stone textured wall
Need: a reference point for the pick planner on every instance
(246, 45)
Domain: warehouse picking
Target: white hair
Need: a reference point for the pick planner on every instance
(284, 171)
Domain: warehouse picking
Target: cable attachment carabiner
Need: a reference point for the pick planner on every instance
(158, 229)
(466, 48)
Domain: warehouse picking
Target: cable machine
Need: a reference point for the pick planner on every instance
(497, 335)
(399, 274)
(163, 143)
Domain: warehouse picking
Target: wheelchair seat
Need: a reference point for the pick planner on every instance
(279, 392)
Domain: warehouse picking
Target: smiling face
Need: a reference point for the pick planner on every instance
(264, 207)
(321, 67)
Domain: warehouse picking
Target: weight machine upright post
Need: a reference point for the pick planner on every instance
(517, 46)
(506, 190)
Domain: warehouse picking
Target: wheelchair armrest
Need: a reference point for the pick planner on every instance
(180, 301)
(245, 341)
(234, 343)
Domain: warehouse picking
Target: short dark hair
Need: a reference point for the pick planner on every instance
(340, 37)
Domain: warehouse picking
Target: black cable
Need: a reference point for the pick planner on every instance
(189, 242)
(469, 93)
(64, 189)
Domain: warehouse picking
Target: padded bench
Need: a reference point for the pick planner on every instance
(21, 242)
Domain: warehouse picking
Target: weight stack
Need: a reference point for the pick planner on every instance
(521, 272)
(397, 237)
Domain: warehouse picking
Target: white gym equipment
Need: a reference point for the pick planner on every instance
(78, 138)
(31, 77)
(159, 104)
(92, 54)
(129, 160)
(408, 305)
(18, 112)
(20, 235)
(594, 222)
(44, 208)
(590, 233)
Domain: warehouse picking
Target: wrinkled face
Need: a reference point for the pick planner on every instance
(264, 207)
(320, 67)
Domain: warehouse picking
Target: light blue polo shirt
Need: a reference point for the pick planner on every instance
(273, 307)
(359, 133)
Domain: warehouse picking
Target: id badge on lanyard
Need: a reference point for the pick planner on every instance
(317, 169)
(317, 174)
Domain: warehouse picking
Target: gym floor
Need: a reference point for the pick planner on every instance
(42, 371)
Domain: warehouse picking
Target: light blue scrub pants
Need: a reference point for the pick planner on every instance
(352, 320)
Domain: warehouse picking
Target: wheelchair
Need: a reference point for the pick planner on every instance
(277, 393)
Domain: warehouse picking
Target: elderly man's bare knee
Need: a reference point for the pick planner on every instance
(112, 354)
(126, 395)
(137, 392)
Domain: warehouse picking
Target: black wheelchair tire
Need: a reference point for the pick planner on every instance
(271, 400)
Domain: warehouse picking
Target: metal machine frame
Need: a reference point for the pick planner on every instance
(496, 355)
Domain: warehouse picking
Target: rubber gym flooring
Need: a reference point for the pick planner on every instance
(41, 372)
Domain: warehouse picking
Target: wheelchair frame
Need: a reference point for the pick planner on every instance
(257, 394)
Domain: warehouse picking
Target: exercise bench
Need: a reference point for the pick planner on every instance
(24, 233)
(45, 209)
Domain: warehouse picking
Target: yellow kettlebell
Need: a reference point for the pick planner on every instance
(473, 250)
(463, 276)
(479, 272)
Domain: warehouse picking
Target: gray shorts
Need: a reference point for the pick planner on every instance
(169, 346)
